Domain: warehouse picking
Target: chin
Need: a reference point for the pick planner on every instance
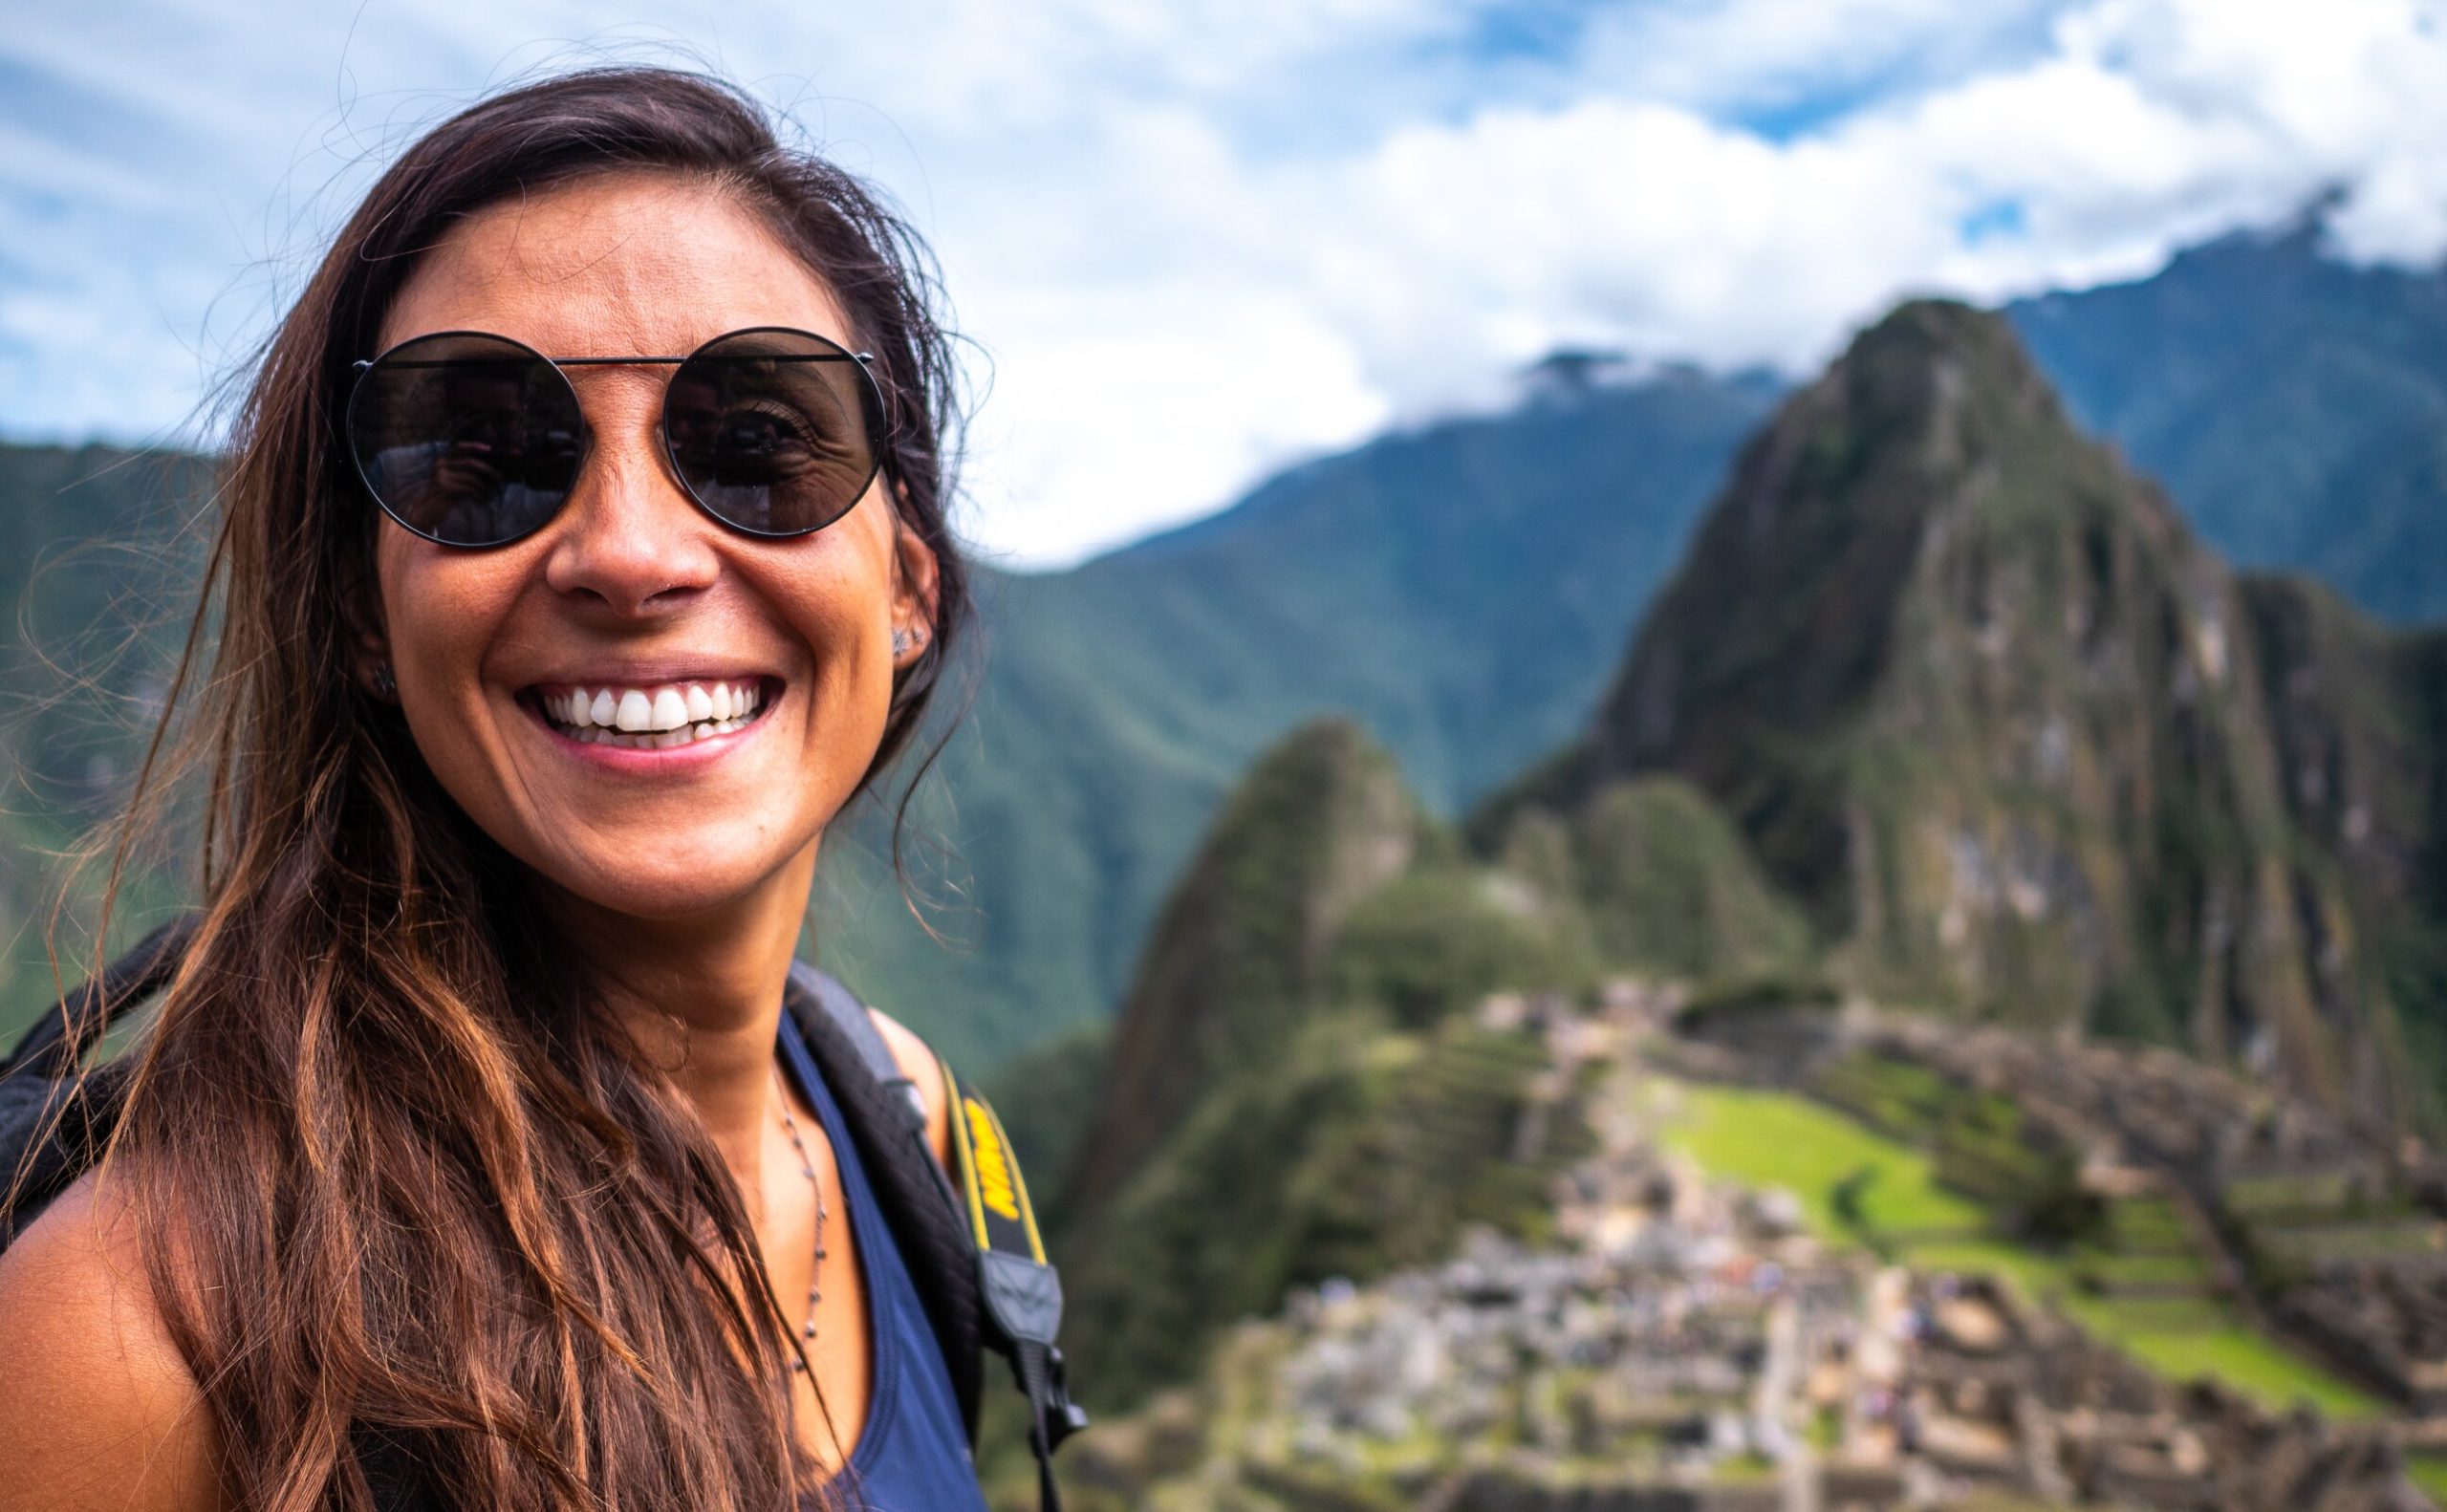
(677, 884)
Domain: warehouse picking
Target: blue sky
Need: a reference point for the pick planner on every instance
(1195, 240)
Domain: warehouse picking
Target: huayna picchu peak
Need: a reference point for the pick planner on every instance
(2022, 746)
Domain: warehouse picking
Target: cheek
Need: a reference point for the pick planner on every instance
(435, 607)
(443, 612)
(848, 685)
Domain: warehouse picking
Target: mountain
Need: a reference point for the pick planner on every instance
(2295, 405)
(1945, 707)
(1306, 1083)
(1290, 1094)
(1463, 589)
(1458, 590)
(2021, 744)
(98, 549)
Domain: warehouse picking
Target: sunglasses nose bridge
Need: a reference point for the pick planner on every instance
(629, 535)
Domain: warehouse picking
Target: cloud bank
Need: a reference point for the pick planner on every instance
(1194, 240)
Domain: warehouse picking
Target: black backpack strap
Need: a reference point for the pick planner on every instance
(917, 1198)
(973, 1250)
(53, 1122)
(972, 1247)
(858, 1026)
(62, 1033)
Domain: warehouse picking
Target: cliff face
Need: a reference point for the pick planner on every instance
(1233, 961)
(2020, 744)
(1945, 703)
(1292, 1092)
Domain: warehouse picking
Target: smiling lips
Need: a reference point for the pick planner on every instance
(657, 718)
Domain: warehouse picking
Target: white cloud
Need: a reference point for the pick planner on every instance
(1200, 239)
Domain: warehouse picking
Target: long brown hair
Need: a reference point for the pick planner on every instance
(418, 1212)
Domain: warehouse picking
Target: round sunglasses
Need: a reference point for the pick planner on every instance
(473, 440)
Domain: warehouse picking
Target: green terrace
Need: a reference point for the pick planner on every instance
(2133, 1279)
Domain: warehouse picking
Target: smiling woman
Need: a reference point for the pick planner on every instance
(471, 1156)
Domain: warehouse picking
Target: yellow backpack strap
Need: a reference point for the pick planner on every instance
(1022, 1292)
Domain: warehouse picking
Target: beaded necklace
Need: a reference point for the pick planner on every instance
(807, 1168)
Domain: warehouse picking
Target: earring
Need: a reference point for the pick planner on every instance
(384, 683)
(902, 639)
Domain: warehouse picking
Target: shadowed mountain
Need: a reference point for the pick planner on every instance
(1463, 591)
(2021, 744)
(2294, 405)
(1294, 1091)
(1235, 959)
(1457, 591)
(97, 554)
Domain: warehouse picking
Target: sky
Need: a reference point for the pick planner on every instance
(1188, 242)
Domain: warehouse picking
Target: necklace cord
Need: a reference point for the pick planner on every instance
(816, 1281)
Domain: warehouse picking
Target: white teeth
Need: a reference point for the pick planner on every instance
(654, 719)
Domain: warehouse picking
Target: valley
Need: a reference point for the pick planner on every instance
(1751, 1299)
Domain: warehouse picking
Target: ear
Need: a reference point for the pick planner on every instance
(915, 580)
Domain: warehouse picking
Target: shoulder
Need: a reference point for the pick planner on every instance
(919, 1063)
(98, 1410)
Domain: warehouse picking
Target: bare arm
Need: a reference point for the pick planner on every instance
(97, 1410)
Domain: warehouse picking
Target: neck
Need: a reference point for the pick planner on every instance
(705, 994)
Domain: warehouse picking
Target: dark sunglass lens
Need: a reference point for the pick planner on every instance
(772, 430)
(468, 440)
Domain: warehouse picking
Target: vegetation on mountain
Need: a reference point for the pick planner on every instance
(1293, 1093)
(1461, 590)
(2011, 734)
(1456, 590)
(1664, 882)
(2293, 403)
(1301, 1084)
(96, 547)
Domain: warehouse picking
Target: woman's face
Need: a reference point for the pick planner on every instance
(633, 595)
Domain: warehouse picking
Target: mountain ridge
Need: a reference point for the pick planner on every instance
(1119, 700)
(2004, 724)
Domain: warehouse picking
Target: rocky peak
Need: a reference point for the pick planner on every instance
(1982, 703)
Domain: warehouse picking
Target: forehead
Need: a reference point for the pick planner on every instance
(616, 265)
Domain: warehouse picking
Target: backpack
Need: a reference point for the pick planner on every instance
(969, 1238)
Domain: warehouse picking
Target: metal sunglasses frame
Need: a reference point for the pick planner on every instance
(870, 414)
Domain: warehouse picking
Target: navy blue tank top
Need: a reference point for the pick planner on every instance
(912, 1454)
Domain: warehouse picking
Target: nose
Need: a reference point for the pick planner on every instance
(629, 540)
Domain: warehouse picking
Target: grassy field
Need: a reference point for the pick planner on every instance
(1777, 1139)
(2429, 1472)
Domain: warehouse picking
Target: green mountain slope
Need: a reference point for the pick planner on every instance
(97, 551)
(1462, 592)
(2021, 744)
(1292, 1093)
(1457, 591)
(2295, 405)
